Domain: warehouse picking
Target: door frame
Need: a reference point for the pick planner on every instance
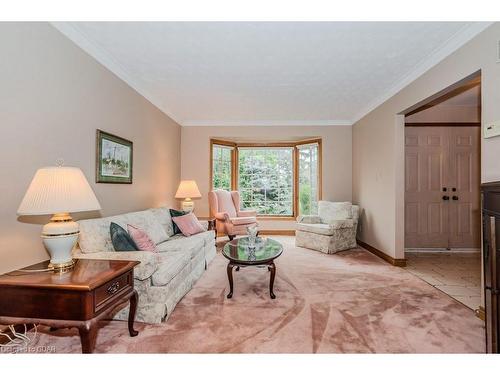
(399, 151)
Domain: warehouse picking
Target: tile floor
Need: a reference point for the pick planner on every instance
(458, 274)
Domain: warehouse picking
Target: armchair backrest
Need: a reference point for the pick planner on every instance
(329, 211)
(222, 201)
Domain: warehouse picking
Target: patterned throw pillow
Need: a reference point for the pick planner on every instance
(120, 239)
(141, 239)
(175, 213)
(188, 224)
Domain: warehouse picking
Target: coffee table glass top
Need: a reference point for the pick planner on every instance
(239, 251)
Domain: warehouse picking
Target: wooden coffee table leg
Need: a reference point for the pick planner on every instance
(230, 277)
(88, 335)
(272, 268)
(131, 314)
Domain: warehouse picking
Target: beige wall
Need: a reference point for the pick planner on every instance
(378, 185)
(53, 97)
(337, 153)
(447, 113)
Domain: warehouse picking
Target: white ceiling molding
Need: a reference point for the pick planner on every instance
(269, 123)
(454, 43)
(109, 62)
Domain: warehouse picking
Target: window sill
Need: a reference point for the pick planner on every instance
(270, 218)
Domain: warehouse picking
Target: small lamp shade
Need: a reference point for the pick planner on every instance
(188, 189)
(56, 190)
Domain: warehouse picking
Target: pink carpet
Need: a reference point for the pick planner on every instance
(351, 302)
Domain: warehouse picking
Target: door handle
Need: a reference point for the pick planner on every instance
(446, 198)
(455, 198)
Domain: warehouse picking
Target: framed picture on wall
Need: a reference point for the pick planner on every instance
(114, 159)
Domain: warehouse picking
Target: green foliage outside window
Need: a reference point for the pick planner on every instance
(265, 180)
(221, 168)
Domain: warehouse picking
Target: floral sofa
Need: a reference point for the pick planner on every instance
(162, 278)
(332, 230)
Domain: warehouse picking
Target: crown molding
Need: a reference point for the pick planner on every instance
(269, 123)
(451, 45)
(109, 62)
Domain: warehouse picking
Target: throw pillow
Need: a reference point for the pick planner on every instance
(188, 224)
(141, 239)
(120, 239)
(175, 213)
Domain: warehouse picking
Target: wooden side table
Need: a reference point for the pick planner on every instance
(78, 298)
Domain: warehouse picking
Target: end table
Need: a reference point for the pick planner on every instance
(78, 298)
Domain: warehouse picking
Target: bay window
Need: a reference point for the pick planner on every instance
(277, 180)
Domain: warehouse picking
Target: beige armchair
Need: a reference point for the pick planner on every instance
(333, 229)
(225, 207)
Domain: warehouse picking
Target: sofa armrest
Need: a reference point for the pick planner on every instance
(247, 213)
(204, 224)
(222, 216)
(309, 219)
(341, 224)
(144, 270)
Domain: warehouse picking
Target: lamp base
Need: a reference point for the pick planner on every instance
(187, 205)
(59, 237)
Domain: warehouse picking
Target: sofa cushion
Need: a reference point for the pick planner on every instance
(243, 220)
(120, 239)
(329, 211)
(171, 263)
(178, 243)
(188, 224)
(141, 238)
(94, 233)
(162, 215)
(324, 229)
(176, 213)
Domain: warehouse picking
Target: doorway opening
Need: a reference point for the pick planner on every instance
(442, 191)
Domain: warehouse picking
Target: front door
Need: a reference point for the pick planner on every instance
(442, 187)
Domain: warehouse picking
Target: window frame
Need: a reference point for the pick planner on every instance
(295, 161)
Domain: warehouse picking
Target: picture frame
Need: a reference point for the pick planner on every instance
(114, 159)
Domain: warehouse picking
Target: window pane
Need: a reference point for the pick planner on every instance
(265, 180)
(308, 179)
(221, 167)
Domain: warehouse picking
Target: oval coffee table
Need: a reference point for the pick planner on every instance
(240, 254)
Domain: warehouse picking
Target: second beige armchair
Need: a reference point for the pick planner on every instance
(225, 207)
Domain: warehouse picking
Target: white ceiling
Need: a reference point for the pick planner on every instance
(268, 73)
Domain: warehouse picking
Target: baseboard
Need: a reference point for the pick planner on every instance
(278, 232)
(480, 313)
(269, 232)
(382, 255)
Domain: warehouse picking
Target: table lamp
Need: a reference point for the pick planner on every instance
(58, 191)
(187, 190)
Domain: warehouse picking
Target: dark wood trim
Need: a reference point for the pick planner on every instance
(425, 124)
(382, 255)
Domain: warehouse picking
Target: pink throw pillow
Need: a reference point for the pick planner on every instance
(188, 224)
(141, 239)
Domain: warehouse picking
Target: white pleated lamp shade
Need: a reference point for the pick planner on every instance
(58, 190)
(188, 189)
